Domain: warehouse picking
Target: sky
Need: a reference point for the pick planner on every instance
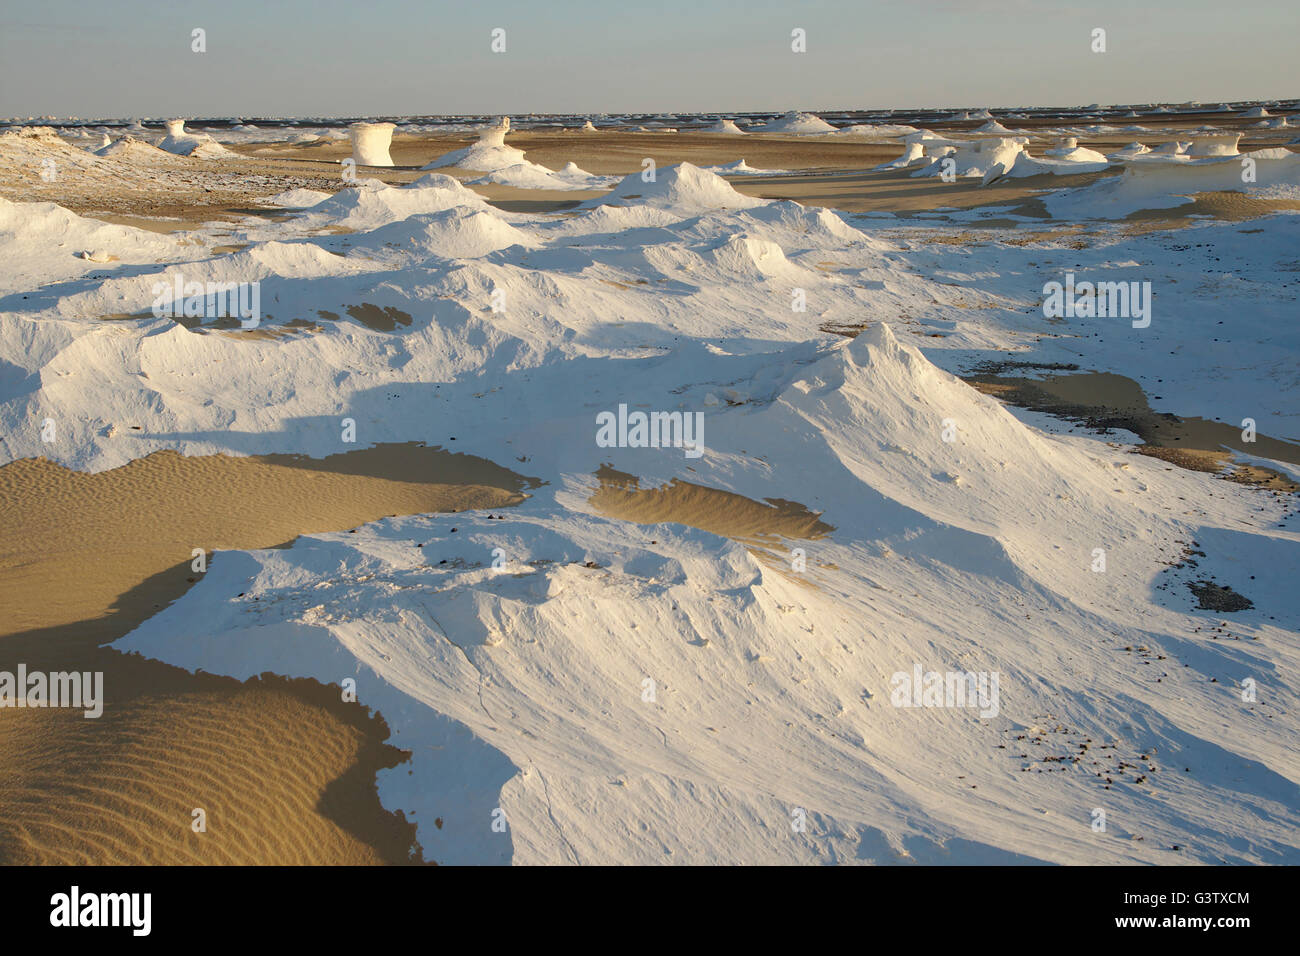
(402, 57)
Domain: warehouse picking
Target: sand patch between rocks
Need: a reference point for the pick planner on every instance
(283, 768)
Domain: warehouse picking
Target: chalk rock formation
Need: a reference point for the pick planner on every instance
(1220, 144)
(370, 142)
(495, 135)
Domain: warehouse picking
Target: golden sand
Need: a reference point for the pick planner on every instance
(284, 770)
(724, 513)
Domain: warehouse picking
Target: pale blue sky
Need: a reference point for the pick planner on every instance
(371, 57)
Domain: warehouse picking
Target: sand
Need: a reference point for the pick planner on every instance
(284, 769)
(734, 516)
(1107, 400)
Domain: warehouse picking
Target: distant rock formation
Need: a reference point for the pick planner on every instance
(370, 142)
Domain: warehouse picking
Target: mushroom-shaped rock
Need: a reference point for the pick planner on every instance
(495, 135)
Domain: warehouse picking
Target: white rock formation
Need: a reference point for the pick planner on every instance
(798, 124)
(1220, 144)
(987, 158)
(1068, 150)
(913, 153)
(1130, 151)
(726, 126)
(183, 143)
(370, 142)
(489, 154)
(495, 135)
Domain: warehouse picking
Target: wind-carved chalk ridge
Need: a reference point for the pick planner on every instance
(812, 665)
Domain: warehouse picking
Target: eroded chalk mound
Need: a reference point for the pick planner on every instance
(39, 241)
(506, 165)
(456, 233)
(683, 187)
(371, 204)
(528, 175)
(131, 148)
(725, 126)
(798, 124)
